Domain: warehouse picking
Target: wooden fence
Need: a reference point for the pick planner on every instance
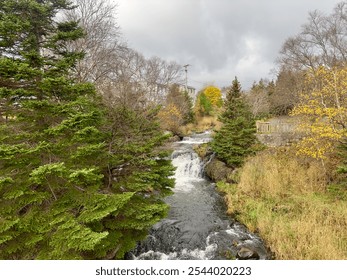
(269, 127)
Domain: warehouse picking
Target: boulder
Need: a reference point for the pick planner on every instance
(218, 170)
(247, 254)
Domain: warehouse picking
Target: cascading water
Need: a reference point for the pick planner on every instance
(197, 226)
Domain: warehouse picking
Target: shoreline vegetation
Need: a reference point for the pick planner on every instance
(289, 201)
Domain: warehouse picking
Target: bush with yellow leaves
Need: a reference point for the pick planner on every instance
(171, 118)
(323, 109)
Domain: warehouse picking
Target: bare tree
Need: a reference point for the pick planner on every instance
(288, 87)
(121, 74)
(101, 43)
(258, 97)
(322, 41)
(126, 84)
(159, 76)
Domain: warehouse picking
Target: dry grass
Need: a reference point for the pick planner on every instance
(280, 174)
(286, 200)
(201, 124)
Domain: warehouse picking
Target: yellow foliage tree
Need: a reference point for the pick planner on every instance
(323, 109)
(214, 95)
(171, 118)
(208, 100)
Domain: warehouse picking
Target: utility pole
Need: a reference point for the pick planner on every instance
(186, 70)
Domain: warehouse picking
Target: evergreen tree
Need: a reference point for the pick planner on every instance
(189, 117)
(236, 139)
(60, 196)
(138, 167)
(338, 188)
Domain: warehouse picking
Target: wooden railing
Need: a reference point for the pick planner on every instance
(281, 131)
(275, 127)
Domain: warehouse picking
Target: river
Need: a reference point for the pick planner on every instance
(197, 226)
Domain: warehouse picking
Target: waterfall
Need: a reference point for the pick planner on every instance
(188, 165)
(197, 226)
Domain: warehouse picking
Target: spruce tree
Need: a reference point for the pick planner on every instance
(60, 194)
(139, 166)
(236, 139)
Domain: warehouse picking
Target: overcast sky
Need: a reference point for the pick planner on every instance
(221, 39)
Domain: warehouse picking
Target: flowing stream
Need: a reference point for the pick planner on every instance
(197, 226)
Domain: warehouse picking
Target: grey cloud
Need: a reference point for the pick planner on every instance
(220, 38)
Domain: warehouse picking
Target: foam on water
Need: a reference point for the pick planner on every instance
(188, 170)
(196, 254)
(197, 226)
(187, 164)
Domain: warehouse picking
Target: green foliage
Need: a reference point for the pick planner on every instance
(208, 101)
(236, 139)
(338, 189)
(137, 167)
(78, 180)
(189, 116)
(205, 104)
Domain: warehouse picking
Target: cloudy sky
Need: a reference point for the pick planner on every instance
(219, 38)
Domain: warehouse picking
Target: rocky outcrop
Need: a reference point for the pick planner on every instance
(217, 170)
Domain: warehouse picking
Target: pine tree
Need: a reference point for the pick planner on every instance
(60, 196)
(50, 144)
(137, 166)
(236, 139)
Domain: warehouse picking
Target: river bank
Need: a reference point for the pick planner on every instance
(289, 204)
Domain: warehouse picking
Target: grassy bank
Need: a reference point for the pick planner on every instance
(286, 200)
(201, 124)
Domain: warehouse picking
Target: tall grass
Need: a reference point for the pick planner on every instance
(201, 124)
(285, 200)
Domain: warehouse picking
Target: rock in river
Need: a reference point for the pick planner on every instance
(247, 254)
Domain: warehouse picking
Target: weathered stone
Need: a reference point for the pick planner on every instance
(247, 254)
(218, 170)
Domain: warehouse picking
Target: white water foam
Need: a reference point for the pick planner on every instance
(197, 139)
(188, 165)
(189, 140)
(196, 254)
(188, 169)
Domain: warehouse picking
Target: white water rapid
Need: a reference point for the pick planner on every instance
(197, 226)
